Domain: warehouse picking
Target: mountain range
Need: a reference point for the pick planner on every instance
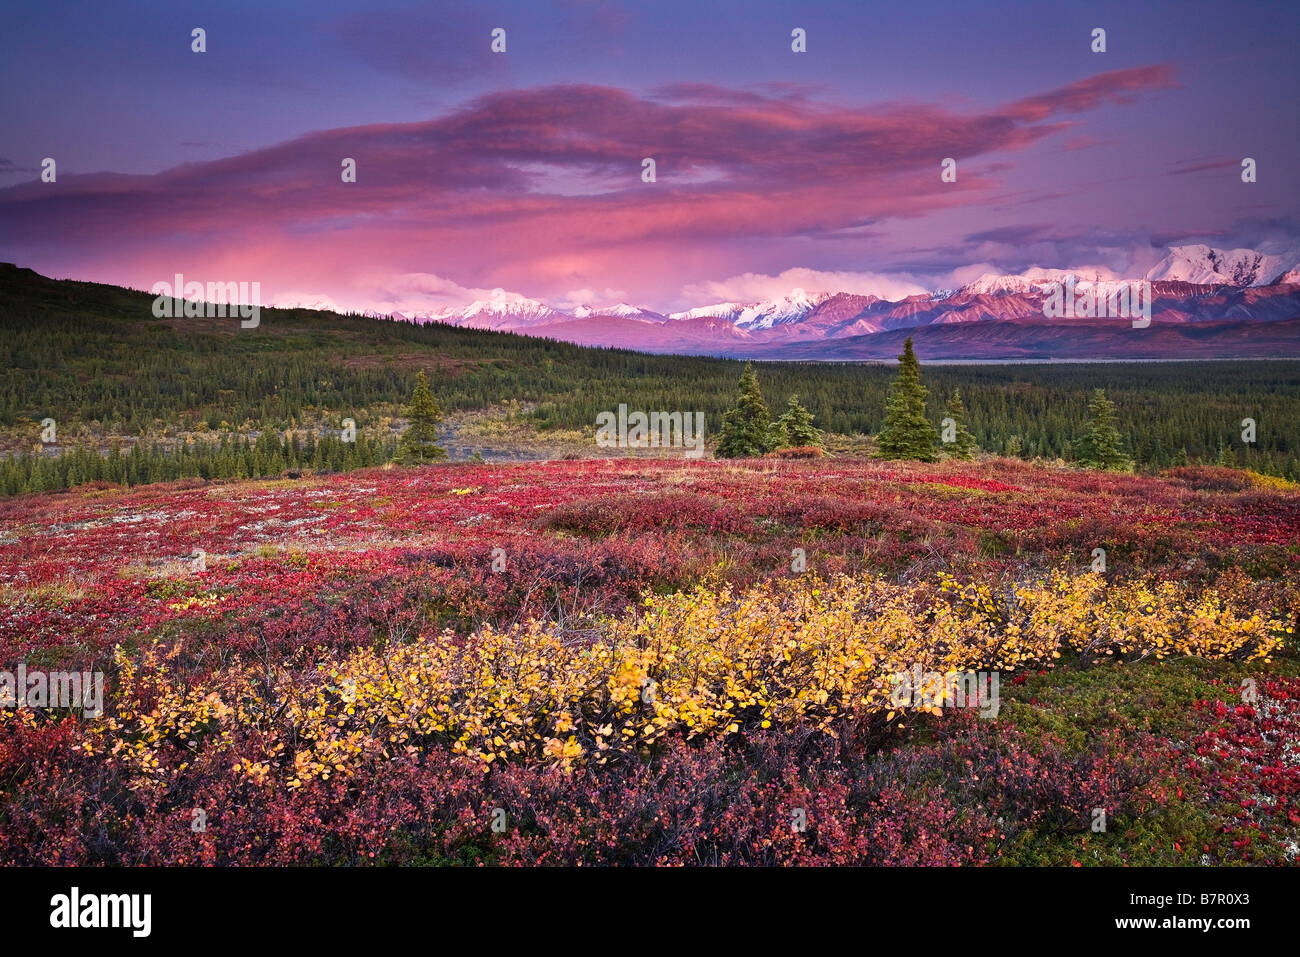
(1207, 302)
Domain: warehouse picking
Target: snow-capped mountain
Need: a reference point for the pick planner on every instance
(621, 310)
(1192, 285)
(502, 311)
(318, 303)
(777, 312)
(722, 310)
(1033, 280)
(1205, 265)
(764, 314)
(520, 310)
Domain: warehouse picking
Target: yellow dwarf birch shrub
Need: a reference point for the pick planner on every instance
(708, 662)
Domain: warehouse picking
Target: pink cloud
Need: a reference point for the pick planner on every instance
(540, 190)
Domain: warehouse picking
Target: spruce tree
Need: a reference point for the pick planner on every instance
(795, 427)
(746, 427)
(962, 445)
(907, 433)
(1099, 448)
(420, 440)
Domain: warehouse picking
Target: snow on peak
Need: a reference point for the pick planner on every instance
(622, 310)
(719, 310)
(319, 303)
(1035, 278)
(775, 312)
(625, 309)
(1206, 265)
(759, 315)
(502, 303)
(763, 314)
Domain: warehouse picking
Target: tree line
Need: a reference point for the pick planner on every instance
(748, 429)
(267, 456)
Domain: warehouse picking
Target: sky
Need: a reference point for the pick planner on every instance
(522, 172)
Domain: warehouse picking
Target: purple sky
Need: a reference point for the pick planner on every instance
(522, 171)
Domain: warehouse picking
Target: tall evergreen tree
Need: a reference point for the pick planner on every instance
(795, 427)
(1226, 456)
(907, 433)
(962, 445)
(1099, 448)
(746, 426)
(420, 440)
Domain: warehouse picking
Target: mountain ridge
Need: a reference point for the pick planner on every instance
(1192, 283)
(1189, 321)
